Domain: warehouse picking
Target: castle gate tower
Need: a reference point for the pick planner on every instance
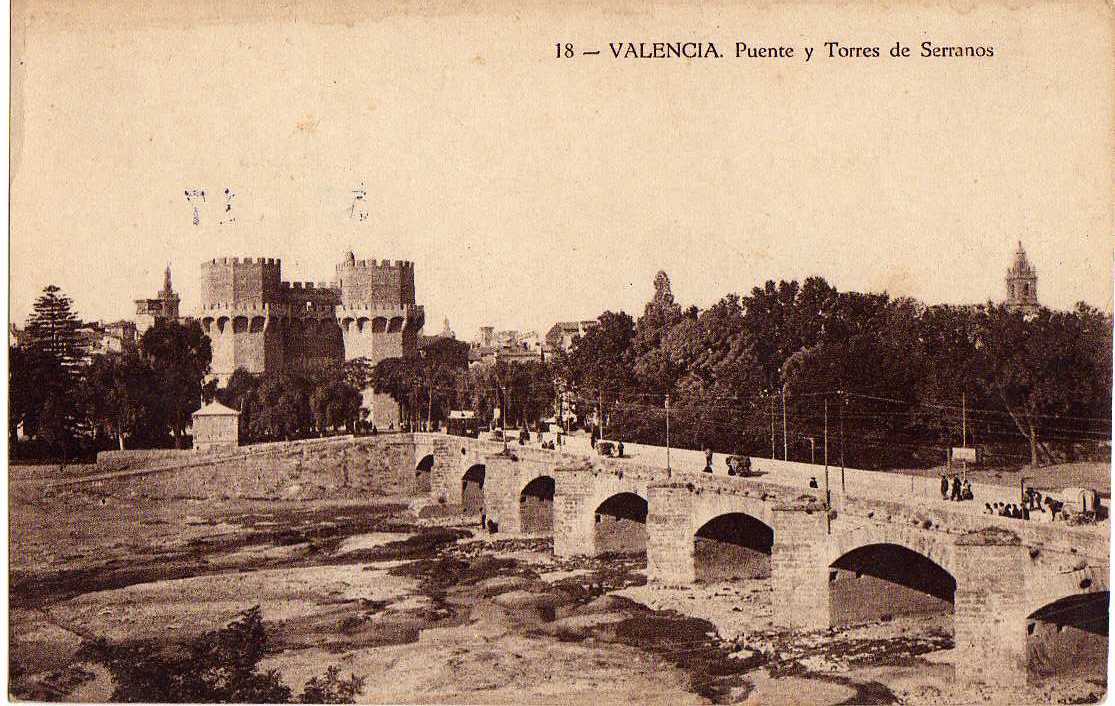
(378, 318)
(243, 312)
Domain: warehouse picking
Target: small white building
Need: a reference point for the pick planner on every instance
(216, 428)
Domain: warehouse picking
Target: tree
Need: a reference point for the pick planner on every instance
(25, 394)
(1042, 367)
(52, 364)
(651, 362)
(335, 403)
(280, 406)
(116, 390)
(52, 330)
(179, 356)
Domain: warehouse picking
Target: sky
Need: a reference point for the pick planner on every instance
(530, 189)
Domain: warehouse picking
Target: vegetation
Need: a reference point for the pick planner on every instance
(220, 666)
(893, 374)
(429, 387)
(290, 404)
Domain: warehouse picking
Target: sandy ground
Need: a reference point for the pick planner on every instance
(429, 613)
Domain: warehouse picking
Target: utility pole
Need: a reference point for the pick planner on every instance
(826, 452)
(844, 403)
(772, 428)
(600, 410)
(502, 416)
(785, 438)
(667, 433)
(964, 419)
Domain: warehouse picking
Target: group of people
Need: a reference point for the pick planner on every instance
(952, 488)
(1034, 506)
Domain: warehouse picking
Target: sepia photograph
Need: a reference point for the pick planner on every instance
(740, 352)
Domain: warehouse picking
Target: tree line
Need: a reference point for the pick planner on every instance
(439, 380)
(893, 380)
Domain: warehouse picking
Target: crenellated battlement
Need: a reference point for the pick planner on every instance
(324, 286)
(374, 264)
(242, 261)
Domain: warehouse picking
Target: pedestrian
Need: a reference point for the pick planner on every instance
(967, 493)
(619, 449)
(708, 460)
(813, 482)
(956, 495)
(944, 487)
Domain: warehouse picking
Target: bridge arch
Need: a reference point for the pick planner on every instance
(536, 505)
(929, 544)
(1068, 636)
(422, 473)
(732, 546)
(472, 489)
(620, 524)
(887, 578)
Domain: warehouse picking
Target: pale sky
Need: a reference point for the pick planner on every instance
(529, 189)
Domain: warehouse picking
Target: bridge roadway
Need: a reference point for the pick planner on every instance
(886, 543)
(919, 491)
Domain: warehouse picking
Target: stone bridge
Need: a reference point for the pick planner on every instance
(893, 547)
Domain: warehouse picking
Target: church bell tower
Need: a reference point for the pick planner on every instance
(1022, 284)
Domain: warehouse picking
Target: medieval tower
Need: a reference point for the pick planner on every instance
(259, 323)
(1022, 284)
(162, 309)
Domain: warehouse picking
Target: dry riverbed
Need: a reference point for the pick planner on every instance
(426, 611)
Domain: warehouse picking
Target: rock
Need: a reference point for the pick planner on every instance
(580, 625)
(503, 584)
(525, 600)
(603, 604)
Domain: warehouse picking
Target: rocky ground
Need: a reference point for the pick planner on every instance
(429, 611)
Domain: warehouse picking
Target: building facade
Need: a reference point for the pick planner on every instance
(1022, 284)
(216, 428)
(561, 335)
(258, 322)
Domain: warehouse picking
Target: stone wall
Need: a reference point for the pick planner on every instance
(328, 468)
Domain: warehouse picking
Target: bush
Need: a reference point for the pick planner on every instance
(220, 666)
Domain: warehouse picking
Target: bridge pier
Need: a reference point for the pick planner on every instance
(501, 491)
(799, 573)
(670, 535)
(445, 482)
(990, 633)
(573, 527)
